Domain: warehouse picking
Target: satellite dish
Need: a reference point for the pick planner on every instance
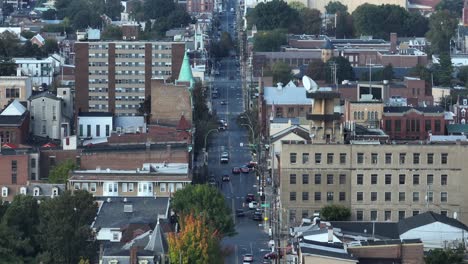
(309, 84)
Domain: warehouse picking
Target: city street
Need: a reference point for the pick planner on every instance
(251, 237)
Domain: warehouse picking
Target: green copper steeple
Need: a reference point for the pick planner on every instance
(185, 74)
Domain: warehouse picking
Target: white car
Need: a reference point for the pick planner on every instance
(248, 258)
(253, 205)
(224, 157)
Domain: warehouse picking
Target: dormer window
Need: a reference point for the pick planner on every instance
(4, 191)
(55, 191)
(23, 190)
(36, 191)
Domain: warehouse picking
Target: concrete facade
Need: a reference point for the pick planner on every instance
(46, 116)
(14, 87)
(392, 180)
(169, 102)
(366, 113)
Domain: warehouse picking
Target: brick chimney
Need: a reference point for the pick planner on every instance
(133, 255)
(393, 42)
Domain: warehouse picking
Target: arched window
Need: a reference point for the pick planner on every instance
(23, 190)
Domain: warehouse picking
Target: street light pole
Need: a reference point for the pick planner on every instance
(205, 152)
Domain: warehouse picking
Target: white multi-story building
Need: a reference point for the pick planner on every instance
(47, 118)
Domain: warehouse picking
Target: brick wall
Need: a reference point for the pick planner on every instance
(169, 102)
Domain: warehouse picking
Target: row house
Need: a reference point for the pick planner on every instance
(14, 124)
(152, 180)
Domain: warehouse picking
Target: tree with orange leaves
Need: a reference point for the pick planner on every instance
(196, 243)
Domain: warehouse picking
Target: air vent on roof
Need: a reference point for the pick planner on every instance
(128, 208)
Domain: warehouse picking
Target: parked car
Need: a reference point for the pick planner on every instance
(224, 157)
(250, 197)
(257, 216)
(271, 255)
(226, 178)
(248, 258)
(251, 164)
(244, 169)
(240, 212)
(236, 170)
(223, 102)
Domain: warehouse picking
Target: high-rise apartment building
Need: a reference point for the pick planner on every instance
(116, 76)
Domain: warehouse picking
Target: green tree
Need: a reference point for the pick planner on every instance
(444, 72)
(454, 6)
(59, 174)
(203, 200)
(113, 8)
(298, 6)
(155, 9)
(463, 74)
(344, 70)
(335, 212)
(281, 72)
(422, 72)
(112, 32)
(275, 14)
(445, 256)
(27, 34)
(7, 67)
(416, 25)
(388, 73)
(311, 21)
(317, 70)
(65, 227)
(442, 26)
(269, 40)
(49, 14)
(344, 25)
(334, 7)
(197, 242)
(9, 44)
(8, 9)
(50, 46)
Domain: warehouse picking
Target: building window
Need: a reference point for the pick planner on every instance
(92, 187)
(305, 158)
(130, 187)
(388, 179)
(292, 178)
(318, 196)
(444, 158)
(401, 215)
(443, 197)
(329, 196)
(427, 125)
(401, 196)
(374, 158)
(415, 196)
(342, 178)
(318, 158)
(415, 212)
(443, 179)
(162, 187)
(373, 196)
(359, 215)
(305, 178)
(98, 130)
(88, 130)
(43, 130)
(388, 125)
(330, 158)
(107, 130)
(430, 197)
(124, 187)
(388, 215)
(373, 215)
(292, 215)
(444, 213)
(292, 196)
(4, 192)
(292, 158)
(14, 170)
(305, 213)
(318, 178)
(342, 158)
(305, 196)
(430, 158)
(416, 179)
(388, 158)
(437, 126)
(388, 196)
(359, 196)
(76, 186)
(430, 179)
(360, 179)
(330, 179)
(342, 196)
(360, 158)
(402, 178)
(397, 125)
(81, 130)
(402, 158)
(415, 158)
(373, 179)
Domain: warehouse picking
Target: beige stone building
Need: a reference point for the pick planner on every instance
(169, 102)
(152, 180)
(378, 182)
(366, 113)
(14, 87)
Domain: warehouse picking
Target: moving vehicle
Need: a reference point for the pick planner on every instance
(226, 178)
(253, 205)
(224, 157)
(250, 197)
(240, 212)
(244, 169)
(257, 216)
(223, 102)
(271, 255)
(248, 258)
(236, 170)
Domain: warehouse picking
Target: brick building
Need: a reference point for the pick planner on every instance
(116, 76)
(14, 124)
(413, 123)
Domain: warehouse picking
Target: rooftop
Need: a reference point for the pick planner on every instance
(145, 210)
(286, 96)
(148, 168)
(95, 114)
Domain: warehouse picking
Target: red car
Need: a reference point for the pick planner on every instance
(236, 170)
(245, 169)
(271, 255)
